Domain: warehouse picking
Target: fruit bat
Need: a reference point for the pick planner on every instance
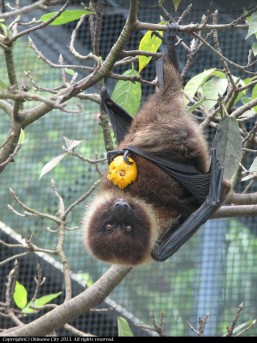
(175, 190)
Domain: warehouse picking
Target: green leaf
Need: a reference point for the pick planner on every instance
(123, 328)
(252, 25)
(151, 43)
(219, 73)
(3, 84)
(248, 113)
(71, 144)
(228, 143)
(248, 18)
(254, 96)
(196, 82)
(244, 325)
(20, 295)
(254, 49)
(65, 17)
(4, 29)
(212, 89)
(70, 71)
(252, 169)
(176, 4)
(128, 94)
(245, 100)
(195, 106)
(40, 302)
(51, 164)
(22, 137)
(87, 278)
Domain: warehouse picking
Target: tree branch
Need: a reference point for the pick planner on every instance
(236, 211)
(24, 9)
(79, 305)
(41, 25)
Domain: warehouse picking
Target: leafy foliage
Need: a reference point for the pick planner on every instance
(176, 4)
(40, 302)
(65, 17)
(196, 82)
(128, 94)
(123, 328)
(252, 25)
(228, 143)
(51, 164)
(149, 42)
(212, 90)
(20, 297)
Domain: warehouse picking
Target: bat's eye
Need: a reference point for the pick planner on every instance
(128, 228)
(108, 228)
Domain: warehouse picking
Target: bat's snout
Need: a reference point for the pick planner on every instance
(121, 204)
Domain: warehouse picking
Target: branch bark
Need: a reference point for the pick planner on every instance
(79, 305)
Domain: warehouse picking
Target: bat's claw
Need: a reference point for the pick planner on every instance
(171, 34)
(126, 157)
(114, 153)
(157, 34)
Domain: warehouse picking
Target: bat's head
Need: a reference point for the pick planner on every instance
(120, 229)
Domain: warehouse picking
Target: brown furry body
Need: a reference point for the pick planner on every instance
(162, 127)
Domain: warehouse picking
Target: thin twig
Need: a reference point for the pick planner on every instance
(39, 282)
(32, 211)
(61, 207)
(82, 198)
(235, 320)
(24, 10)
(53, 65)
(40, 26)
(242, 68)
(10, 158)
(83, 158)
(73, 38)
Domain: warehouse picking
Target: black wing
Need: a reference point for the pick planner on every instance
(186, 175)
(174, 237)
(120, 120)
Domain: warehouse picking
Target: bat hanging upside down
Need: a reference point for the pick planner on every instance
(174, 190)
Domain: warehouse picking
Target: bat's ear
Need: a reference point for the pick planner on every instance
(120, 120)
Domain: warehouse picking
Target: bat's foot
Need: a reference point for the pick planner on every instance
(126, 157)
(170, 35)
(114, 153)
